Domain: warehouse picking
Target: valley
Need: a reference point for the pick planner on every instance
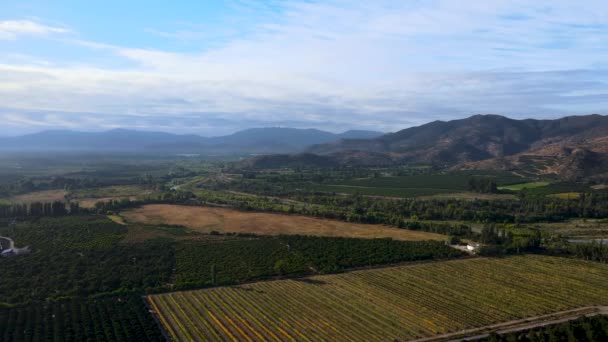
(226, 249)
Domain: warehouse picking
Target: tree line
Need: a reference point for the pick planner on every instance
(38, 209)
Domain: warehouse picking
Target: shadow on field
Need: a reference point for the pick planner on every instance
(248, 289)
(310, 281)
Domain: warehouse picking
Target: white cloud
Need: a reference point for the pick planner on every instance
(11, 29)
(342, 64)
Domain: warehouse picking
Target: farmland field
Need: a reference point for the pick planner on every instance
(40, 196)
(576, 229)
(412, 185)
(393, 303)
(522, 186)
(104, 319)
(88, 197)
(380, 191)
(206, 219)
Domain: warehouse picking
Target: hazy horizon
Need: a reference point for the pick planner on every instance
(216, 68)
(337, 132)
(178, 133)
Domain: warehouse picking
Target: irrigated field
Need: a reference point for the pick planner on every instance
(522, 186)
(394, 303)
(413, 185)
(205, 219)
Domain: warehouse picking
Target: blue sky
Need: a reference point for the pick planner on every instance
(213, 67)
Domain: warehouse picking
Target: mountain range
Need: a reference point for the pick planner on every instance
(570, 147)
(250, 141)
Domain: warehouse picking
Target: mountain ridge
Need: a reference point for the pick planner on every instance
(249, 141)
(488, 141)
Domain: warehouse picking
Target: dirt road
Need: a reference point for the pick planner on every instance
(520, 324)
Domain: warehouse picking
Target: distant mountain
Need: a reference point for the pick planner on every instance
(281, 140)
(572, 147)
(250, 141)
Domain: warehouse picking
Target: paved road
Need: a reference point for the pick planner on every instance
(520, 324)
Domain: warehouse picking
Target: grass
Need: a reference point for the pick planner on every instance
(558, 188)
(206, 220)
(117, 219)
(566, 195)
(88, 197)
(522, 186)
(394, 303)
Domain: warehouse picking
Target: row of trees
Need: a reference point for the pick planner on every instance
(80, 256)
(32, 184)
(38, 209)
(241, 260)
(593, 251)
(116, 318)
(486, 185)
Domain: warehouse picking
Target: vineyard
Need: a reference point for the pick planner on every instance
(395, 303)
(102, 319)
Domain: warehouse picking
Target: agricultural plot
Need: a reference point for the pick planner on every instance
(123, 318)
(523, 186)
(380, 191)
(576, 229)
(206, 220)
(88, 197)
(39, 196)
(395, 303)
(414, 185)
(244, 259)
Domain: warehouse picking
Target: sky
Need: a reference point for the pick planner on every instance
(215, 67)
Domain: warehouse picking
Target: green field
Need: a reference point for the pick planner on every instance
(522, 186)
(382, 191)
(110, 191)
(394, 303)
(413, 185)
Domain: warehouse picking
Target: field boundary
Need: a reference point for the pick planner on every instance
(410, 304)
(152, 311)
(519, 324)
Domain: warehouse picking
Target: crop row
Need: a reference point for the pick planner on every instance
(103, 319)
(400, 303)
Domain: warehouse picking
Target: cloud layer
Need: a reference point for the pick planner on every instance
(12, 29)
(333, 65)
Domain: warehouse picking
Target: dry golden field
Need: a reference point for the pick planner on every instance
(39, 196)
(206, 219)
